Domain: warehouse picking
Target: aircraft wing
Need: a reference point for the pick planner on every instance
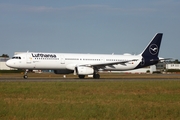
(106, 64)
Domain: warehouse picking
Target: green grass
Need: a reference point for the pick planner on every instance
(95, 100)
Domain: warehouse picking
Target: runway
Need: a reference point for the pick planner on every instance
(81, 80)
(104, 77)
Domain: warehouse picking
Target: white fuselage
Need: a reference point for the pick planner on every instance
(56, 61)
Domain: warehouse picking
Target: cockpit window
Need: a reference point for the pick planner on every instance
(16, 57)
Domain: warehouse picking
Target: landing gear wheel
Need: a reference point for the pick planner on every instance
(81, 76)
(25, 76)
(96, 76)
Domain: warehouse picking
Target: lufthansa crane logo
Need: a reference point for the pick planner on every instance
(153, 49)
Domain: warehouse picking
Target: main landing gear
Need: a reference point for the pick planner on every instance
(25, 74)
(96, 76)
(81, 76)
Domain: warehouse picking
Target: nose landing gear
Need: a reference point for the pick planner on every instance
(25, 74)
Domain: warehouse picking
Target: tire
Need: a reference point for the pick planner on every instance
(81, 76)
(96, 76)
(25, 77)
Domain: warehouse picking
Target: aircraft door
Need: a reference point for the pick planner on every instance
(62, 59)
(28, 58)
(29, 61)
(102, 60)
(143, 61)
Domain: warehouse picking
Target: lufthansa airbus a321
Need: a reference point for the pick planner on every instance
(86, 64)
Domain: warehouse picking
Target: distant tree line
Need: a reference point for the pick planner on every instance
(4, 55)
(176, 61)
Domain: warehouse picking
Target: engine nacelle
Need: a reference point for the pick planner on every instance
(63, 71)
(82, 70)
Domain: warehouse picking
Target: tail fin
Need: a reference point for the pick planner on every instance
(152, 49)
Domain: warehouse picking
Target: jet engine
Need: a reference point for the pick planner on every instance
(83, 70)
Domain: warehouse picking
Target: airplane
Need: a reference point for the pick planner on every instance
(86, 64)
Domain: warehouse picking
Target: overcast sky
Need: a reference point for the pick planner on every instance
(89, 26)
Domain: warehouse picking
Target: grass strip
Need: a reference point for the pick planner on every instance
(80, 100)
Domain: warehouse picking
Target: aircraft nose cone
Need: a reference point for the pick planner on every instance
(9, 63)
